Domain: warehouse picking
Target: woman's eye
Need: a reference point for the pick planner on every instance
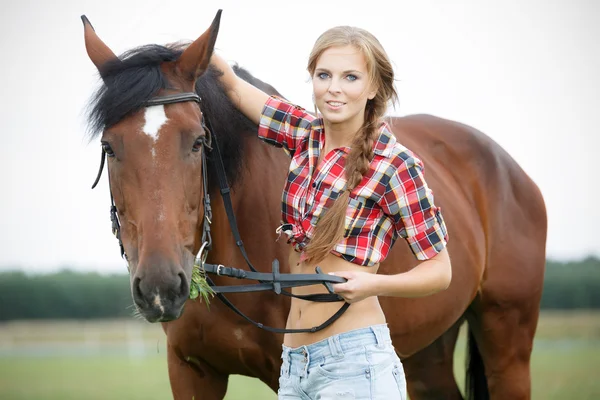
(106, 147)
(200, 141)
(351, 77)
(322, 75)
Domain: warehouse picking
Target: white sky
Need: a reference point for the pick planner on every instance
(524, 72)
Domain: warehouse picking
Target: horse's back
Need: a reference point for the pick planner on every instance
(475, 177)
(493, 211)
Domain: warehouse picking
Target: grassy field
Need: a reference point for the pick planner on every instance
(126, 360)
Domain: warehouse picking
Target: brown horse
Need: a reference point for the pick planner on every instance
(494, 212)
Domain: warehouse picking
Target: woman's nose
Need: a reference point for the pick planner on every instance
(334, 86)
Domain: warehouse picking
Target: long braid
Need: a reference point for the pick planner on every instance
(361, 154)
(330, 228)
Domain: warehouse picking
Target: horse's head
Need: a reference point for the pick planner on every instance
(154, 155)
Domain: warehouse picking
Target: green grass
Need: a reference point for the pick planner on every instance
(567, 373)
(88, 378)
(560, 369)
(565, 364)
(101, 378)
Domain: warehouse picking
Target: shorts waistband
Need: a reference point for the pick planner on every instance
(338, 345)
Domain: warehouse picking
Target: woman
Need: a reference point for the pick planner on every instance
(352, 189)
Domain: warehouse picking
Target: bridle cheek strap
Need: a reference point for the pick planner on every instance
(114, 217)
(155, 101)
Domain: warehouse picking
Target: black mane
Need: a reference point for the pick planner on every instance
(136, 77)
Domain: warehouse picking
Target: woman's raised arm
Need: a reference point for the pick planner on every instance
(247, 98)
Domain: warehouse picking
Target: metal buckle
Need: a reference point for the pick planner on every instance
(202, 255)
(219, 269)
(115, 221)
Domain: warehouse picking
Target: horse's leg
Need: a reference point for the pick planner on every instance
(194, 379)
(503, 319)
(429, 373)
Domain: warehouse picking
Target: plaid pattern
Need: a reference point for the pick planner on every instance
(392, 200)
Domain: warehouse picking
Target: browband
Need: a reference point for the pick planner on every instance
(173, 98)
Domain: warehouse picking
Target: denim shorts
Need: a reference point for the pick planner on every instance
(359, 364)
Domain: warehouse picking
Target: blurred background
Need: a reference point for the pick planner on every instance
(523, 72)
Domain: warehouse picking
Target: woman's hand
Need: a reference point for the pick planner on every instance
(360, 285)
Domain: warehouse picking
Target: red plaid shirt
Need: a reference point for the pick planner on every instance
(392, 200)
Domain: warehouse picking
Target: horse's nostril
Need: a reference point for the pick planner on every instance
(183, 287)
(137, 292)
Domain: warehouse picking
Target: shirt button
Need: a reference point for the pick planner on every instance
(314, 184)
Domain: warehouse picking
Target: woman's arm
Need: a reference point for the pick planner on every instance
(280, 123)
(429, 277)
(247, 98)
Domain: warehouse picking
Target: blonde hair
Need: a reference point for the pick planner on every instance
(330, 228)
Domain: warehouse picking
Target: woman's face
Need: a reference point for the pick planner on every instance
(341, 86)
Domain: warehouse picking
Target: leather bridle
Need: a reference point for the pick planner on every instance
(274, 280)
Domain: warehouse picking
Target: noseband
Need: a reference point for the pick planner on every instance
(275, 280)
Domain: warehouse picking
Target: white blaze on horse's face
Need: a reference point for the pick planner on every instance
(155, 118)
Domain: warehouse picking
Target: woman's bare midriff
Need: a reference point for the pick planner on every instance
(307, 314)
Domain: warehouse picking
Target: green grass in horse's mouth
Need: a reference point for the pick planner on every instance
(199, 287)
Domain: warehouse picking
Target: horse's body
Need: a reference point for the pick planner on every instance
(496, 221)
(497, 227)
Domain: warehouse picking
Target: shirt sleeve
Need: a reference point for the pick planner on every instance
(409, 202)
(283, 124)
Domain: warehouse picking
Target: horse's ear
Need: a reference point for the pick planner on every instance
(195, 59)
(98, 52)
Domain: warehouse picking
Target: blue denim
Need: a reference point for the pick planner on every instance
(359, 364)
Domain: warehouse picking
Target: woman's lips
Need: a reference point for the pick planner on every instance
(335, 105)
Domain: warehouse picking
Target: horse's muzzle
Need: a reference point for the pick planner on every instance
(163, 300)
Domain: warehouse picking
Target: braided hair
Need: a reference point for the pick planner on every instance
(330, 228)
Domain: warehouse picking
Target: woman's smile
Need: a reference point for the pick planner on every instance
(334, 105)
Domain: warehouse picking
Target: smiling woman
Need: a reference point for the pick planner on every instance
(342, 94)
(352, 189)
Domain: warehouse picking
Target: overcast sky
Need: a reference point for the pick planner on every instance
(524, 72)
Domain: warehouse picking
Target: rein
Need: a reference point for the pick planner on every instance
(274, 280)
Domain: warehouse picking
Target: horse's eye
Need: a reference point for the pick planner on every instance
(106, 147)
(200, 141)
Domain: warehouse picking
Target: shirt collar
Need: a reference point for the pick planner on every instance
(383, 146)
(385, 142)
(317, 124)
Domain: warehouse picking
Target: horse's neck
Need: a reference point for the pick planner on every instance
(256, 203)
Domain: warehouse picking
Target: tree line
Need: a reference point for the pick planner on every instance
(76, 295)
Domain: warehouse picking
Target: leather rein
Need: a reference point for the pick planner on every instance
(274, 280)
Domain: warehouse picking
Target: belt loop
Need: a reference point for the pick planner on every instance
(378, 331)
(335, 347)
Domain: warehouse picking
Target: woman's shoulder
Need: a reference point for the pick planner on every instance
(391, 150)
(276, 103)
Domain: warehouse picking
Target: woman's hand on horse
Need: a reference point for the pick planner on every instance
(359, 286)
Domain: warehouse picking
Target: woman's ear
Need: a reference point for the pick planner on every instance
(372, 93)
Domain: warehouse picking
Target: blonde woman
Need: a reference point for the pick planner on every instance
(351, 191)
